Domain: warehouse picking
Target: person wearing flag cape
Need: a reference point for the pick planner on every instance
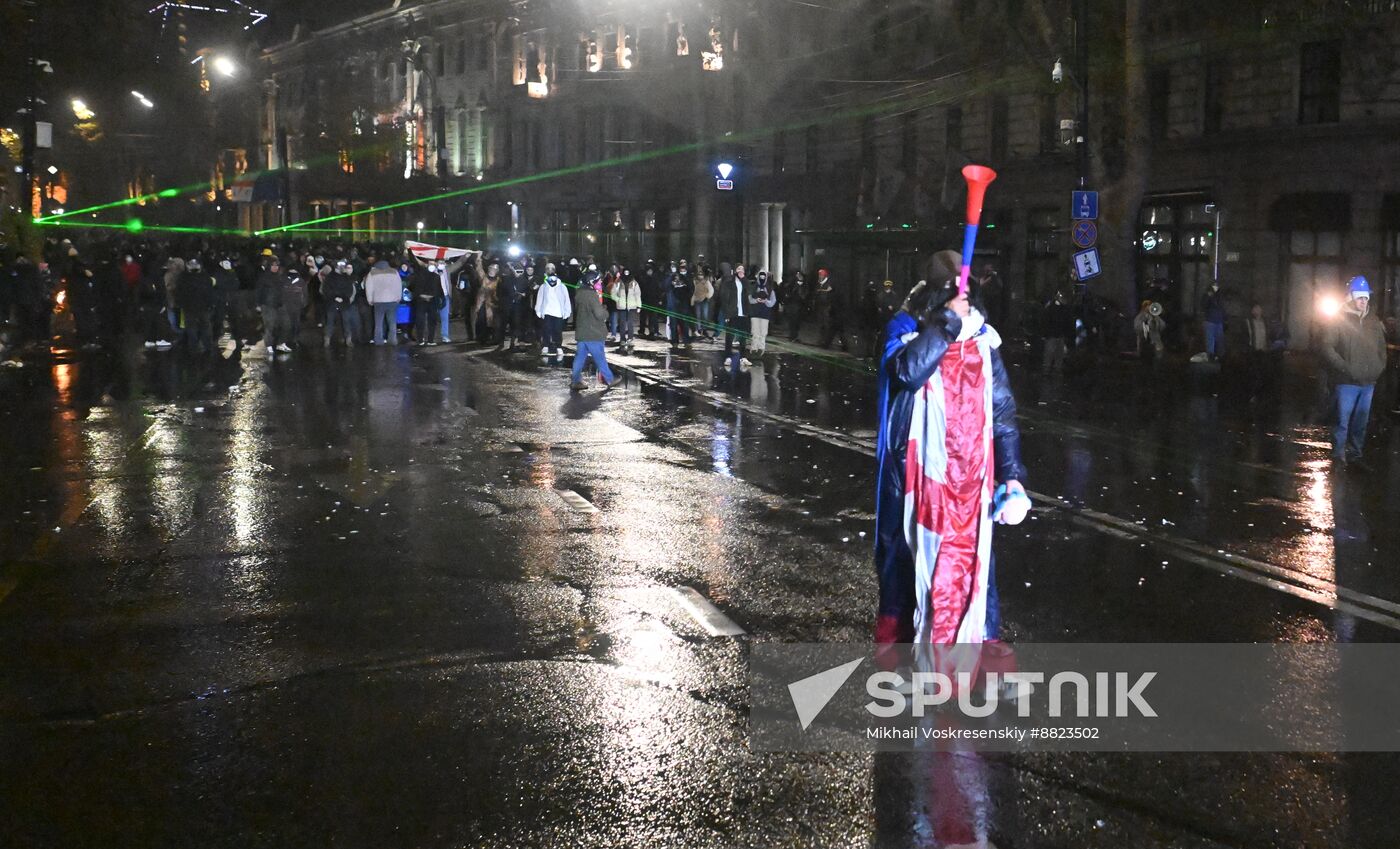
(948, 437)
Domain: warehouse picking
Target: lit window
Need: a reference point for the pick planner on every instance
(712, 59)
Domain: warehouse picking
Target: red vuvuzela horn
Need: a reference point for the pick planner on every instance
(978, 177)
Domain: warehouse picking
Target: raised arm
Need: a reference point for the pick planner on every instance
(912, 353)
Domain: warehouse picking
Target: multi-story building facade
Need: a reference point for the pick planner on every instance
(597, 127)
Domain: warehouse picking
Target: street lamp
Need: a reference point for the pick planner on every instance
(81, 110)
(225, 66)
(142, 99)
(724, 169)
(421, 225)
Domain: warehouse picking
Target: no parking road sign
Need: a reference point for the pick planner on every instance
(1084, 234)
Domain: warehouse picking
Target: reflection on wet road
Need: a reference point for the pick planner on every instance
(431, 598)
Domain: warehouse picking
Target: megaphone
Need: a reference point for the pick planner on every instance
(978, 177)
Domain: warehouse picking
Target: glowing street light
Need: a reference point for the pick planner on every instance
(81, 110)
(514, 251)
(143, 99)
(1329, 306)
(225, 66)
(724, 169)
(421, 225)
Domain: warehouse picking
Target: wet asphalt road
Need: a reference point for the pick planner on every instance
(339, 600)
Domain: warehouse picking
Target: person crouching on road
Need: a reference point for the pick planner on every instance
(1354, 351)
(553, 308)
(590, 330)
(948, 435)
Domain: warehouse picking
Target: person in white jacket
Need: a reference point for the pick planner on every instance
(553, 306)
(384, 291)
(627, 295)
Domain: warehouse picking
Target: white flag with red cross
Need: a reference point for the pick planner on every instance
(435, 253)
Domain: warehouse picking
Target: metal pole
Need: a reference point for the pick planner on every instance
(31, 119)
(1081, 49)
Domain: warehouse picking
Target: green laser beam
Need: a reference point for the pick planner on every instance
(137, 226)
(424, 232)
(893, 106)
(471, 190)
(180, 191)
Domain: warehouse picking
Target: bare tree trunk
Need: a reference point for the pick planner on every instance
(1120, 200)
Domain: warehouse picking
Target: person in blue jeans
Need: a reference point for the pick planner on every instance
(590, 330)
(1213, 315)
(1353, 348)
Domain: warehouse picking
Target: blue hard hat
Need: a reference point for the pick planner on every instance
(1358, 287)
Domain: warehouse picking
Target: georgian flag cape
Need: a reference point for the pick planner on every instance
(949, 477)
(434, 253)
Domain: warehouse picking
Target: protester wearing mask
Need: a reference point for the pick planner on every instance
(553, 306)
(761, 301)
(338, 293)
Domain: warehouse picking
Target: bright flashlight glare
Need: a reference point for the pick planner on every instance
(81, 110)
(1329, 306)
(225, 66)
(514, 251)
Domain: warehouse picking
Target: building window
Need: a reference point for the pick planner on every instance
(440, 65)
(1159, 98)
(953, 134)
(461, 58)
(1213, 103)
(712, 58)
(1000, 128)
(483, 53)
(1320, 83)
(867, 141)
(813, 153)
(779, 145)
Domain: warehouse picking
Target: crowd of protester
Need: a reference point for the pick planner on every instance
(186, 294)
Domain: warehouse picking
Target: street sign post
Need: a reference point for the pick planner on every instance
(1086, 264)
(1085, 234)
(1084, 206)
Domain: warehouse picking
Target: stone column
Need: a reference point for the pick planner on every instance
(777, 251)
(764, 216)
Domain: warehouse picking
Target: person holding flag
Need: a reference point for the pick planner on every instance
(947, 438)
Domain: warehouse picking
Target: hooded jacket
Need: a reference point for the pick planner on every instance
(1354, 347)
(552, 300)
(591, 323)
